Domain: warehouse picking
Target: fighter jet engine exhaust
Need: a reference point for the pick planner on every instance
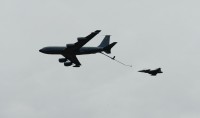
(62, 60)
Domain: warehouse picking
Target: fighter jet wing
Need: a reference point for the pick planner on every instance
(153, 74)
(73, 59)
(83, 40)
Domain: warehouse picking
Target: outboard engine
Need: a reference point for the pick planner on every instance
(62, 60)
(67, 63)
(80, 38)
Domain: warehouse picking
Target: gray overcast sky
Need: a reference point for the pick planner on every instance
(150, 34)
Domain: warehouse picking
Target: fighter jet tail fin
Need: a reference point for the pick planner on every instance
(159, 70)
(107, 49)
(105, 41)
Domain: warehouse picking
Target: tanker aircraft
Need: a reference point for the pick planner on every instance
(70, 51)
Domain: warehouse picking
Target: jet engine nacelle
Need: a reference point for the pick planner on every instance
(68, 63)
(62, 60)
(69, 45)
(80, 38)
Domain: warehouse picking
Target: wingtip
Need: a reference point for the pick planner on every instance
(97, 31)
(114, 42)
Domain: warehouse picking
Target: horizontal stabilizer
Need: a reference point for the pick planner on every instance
(107, 49)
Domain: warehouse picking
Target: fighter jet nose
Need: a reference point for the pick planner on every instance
(141, 71)
(41, 51)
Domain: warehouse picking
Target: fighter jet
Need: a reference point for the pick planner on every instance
(70, 51)
(152, 72)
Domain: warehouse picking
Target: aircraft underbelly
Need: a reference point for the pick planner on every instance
(56, 51)
(88, 51)
(82, 53)
(52, 50)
